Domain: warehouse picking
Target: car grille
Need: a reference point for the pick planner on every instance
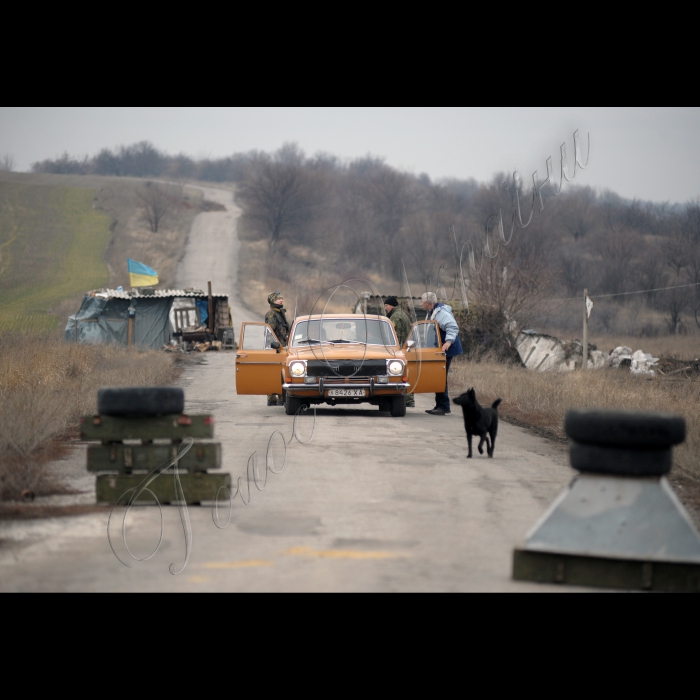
(353, 369)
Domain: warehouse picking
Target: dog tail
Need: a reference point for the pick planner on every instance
(496, 404)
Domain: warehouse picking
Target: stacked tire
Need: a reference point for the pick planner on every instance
(140, 402)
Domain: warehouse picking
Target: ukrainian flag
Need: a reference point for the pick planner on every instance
(141, 275)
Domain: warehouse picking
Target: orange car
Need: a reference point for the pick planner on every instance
(341, 359)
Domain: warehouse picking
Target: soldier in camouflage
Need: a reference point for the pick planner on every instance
(276, 318)
(402, 326)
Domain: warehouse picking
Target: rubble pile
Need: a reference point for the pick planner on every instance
(544, 353)
(639, 362)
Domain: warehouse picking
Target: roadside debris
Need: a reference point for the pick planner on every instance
(638, 362)
(669, 367)
(544, 353)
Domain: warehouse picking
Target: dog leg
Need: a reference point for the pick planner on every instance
(481, 444)
(469, 440)
(493, 432)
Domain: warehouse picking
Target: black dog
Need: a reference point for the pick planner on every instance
(479, 421)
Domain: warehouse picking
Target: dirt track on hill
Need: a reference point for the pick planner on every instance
(211, 254)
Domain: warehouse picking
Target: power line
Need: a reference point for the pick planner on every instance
(646, 291)
(623, 294)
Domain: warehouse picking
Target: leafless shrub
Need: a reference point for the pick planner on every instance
(158, 201)
(7, 163)
(484, 335)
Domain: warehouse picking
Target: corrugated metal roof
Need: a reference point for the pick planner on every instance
(158, 294)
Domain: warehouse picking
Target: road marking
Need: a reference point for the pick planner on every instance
(253, 563)
(340, 554)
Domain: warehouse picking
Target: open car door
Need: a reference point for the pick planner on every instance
(427, 363)
(259, 365)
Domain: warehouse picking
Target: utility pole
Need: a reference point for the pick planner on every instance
(585, 330)
(211, 310)
(587, 308)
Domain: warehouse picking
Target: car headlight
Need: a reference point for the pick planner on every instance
(297, 369)
(395, 368)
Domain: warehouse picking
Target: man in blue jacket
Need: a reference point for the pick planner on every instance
(449, 340)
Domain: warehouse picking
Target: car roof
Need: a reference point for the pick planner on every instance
(335, 317)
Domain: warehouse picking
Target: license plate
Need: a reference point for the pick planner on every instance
(347, 392)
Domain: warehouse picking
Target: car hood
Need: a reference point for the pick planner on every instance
(345, 352)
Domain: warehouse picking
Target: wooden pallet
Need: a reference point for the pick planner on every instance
(127, 459)
(197, 488)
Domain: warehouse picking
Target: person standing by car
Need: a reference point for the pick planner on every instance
(449, 340)
(276, 318)
(402, 326)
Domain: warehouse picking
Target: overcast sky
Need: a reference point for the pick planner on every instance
(651, 153)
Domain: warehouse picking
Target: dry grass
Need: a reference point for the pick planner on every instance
(45, 386)
(541, 400)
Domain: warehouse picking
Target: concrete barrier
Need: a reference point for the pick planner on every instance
(619, 524)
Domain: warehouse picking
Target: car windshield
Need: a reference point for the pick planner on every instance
(341, 331)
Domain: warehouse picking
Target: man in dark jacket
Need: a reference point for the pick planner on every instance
(402, 326)
(276, 318)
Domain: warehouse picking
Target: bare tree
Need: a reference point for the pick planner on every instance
(7, 163)
(674, 304)
(649, 271)
(573, 273)
(577, 212)
(278, 193)
(690, 220)
(389, 192)
(619, 251)
(676, 251)
(420, 247)
(158, 201)
(516, 282)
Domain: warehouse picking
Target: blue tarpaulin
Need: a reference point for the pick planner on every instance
(107, 321)
(203, 308)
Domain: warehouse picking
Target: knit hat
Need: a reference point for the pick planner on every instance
(274, 297)
(391, 301)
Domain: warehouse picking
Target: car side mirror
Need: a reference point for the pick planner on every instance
(411, 343)
(275, 346)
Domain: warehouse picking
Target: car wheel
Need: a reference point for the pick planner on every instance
(292, 405)
(140, 402)
(398, 406)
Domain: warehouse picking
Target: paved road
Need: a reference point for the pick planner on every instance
(372, 503)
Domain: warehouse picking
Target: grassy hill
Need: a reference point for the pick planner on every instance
(63, 235)
(52, 245)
